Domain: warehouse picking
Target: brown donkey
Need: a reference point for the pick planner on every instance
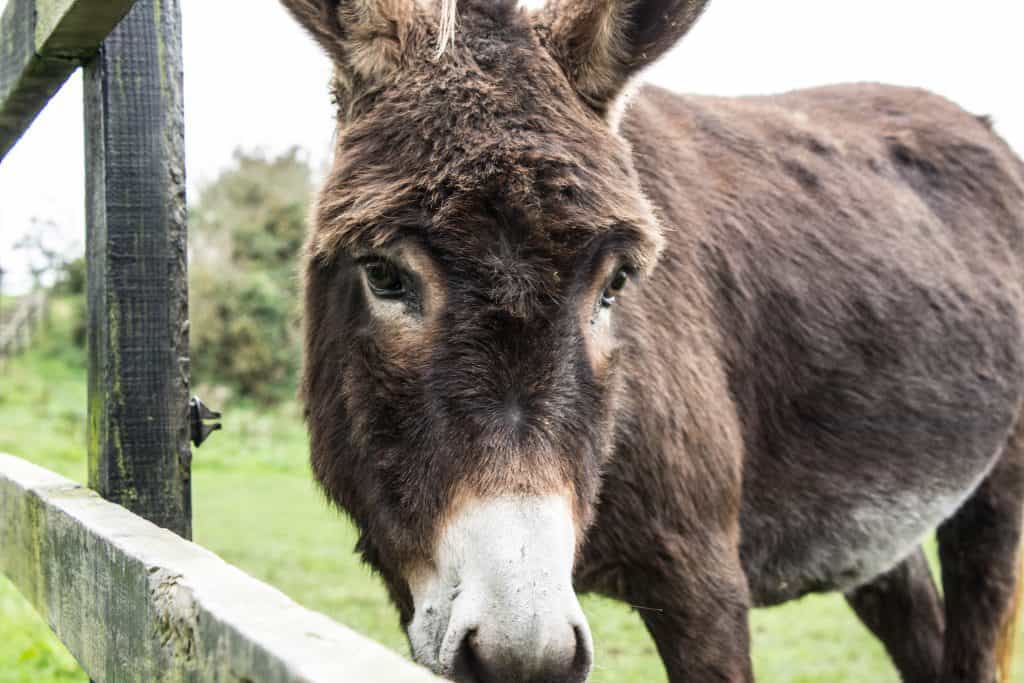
(698, 354)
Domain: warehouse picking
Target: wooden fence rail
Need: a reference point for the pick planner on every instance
(138, 447)
(134, 602)
(133, 599)
(41, 43)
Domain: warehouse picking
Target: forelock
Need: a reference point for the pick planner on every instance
(492, 117)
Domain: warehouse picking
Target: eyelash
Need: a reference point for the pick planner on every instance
(616, 284)
(398, 287)
(391, 282)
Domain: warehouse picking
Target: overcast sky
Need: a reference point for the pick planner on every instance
(253, 80)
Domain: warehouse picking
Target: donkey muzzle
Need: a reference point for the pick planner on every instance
(499, 603)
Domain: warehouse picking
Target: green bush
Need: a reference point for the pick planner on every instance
(245, 234)
(71, 277)
(243, 333)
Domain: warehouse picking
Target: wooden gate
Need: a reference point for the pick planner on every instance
(111, 567)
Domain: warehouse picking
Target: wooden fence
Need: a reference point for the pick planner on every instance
(133, 601)
(17, 329)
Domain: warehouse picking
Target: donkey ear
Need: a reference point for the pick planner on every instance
(364, 38)
(321, 19)
(601, 44)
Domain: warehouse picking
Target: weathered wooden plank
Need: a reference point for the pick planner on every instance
(74, 28)
(134, 602)
(41, 44)
(139, 454)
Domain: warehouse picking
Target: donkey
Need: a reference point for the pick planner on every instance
(698, 354)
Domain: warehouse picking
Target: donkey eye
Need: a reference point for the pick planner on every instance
(384, 279)
(615, 286)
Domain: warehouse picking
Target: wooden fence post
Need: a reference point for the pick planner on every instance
(139, 455)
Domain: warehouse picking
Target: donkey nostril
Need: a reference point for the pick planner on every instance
(481, 659)
(467, 667)
(583, 658)
(475, 663)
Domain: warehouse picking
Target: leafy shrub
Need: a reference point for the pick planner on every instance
(70, 277)
(245, 234)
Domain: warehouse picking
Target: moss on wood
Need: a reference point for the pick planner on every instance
(134, 602)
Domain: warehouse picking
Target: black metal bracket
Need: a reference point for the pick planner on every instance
(198, 413)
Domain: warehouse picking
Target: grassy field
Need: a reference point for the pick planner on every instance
(256, 507)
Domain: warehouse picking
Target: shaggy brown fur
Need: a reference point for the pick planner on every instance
(819, 360)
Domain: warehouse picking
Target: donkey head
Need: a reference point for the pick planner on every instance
(469, 248)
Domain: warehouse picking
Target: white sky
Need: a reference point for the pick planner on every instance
(253, 80)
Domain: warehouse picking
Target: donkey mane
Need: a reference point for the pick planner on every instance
(448, 15)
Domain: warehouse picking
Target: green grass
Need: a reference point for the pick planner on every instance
(255, 506)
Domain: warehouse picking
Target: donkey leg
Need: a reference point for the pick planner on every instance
(699, 623)
(979, 550)
(904, 610)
